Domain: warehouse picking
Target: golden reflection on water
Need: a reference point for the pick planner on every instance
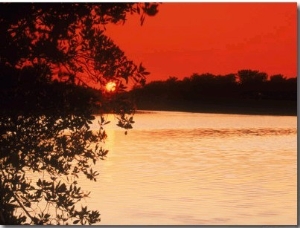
(216, 174)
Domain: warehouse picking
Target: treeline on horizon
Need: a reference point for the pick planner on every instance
(250, 90)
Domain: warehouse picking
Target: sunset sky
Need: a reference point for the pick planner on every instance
(219, 38)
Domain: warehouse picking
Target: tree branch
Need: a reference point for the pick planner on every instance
(16, 197)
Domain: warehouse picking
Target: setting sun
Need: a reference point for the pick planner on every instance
(110, 87)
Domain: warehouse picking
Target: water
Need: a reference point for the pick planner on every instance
(177, 168)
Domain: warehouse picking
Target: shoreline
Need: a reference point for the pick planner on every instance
(143, 111)
(259, 108)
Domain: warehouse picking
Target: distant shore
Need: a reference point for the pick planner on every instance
(249, 107)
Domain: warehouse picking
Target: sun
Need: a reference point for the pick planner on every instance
(110, 86)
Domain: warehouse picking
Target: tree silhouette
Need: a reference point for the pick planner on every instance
(251, 76)
(50, 56)
(277, 78)
(248, 91)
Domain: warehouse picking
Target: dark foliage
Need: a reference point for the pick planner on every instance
(247, 91)
(50, 56)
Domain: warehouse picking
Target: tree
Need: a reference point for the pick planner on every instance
(277, 78)
(228, 79)
(251, 76)
(50, 56)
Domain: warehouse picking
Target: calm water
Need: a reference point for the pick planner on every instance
(179, 168)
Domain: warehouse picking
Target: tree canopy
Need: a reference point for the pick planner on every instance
(50, 54)
(247, 91)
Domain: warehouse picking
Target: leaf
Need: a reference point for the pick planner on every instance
(76, 221)
(27, 204)
(107, 122)
(142, 19)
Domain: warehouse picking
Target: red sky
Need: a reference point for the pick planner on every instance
(218, 38)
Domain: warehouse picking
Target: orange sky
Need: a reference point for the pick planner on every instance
(219, 38)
